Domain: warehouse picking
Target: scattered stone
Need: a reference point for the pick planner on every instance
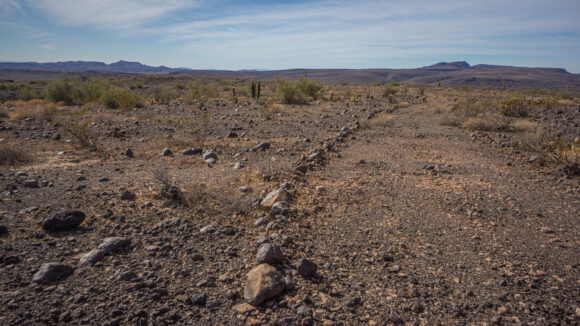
(168, 223)
(304, 312)
(207, 229)
(126, 276)
(166, 152)
(533, 158)
(199, 299)
(92, 257)
(192, 151)
(245, 189)
(306, 267)
(269, 253)
(274, 197)
(301, 169)
(64, 220)
(263, 282)
(21, 174)
(51, 272)
(228, 230)
(31, 183)
(114, 244)
(238, 166)
(394, 269)
(3, 229)
(127, 195)
(104, 179)
(354, 302)
(261, 221)
(129, 153)
(232, 134)
(262, 146)
(81, 178)
(209, 156)
(280, 208)
(243, 308)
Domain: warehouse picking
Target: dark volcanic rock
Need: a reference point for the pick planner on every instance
(306, 267)
(269, 253)
(64, 220)
(92, 257)
(51, 272)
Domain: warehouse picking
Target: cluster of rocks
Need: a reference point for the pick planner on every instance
(68, 220)
(270, 277)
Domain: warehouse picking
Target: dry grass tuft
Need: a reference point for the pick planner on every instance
(486, 122)
(36, 109)
(12, 154)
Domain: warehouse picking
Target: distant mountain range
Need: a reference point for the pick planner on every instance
(443, 73)
(86, 66)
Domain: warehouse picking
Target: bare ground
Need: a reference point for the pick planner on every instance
(408, 221)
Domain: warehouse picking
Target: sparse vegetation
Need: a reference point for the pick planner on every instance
(298, 92)
(78, 127)
(13, 154)
(163, 94)
(119, 98)
(61, 89)
(36, 109)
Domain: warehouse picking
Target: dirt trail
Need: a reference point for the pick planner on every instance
(429, 224)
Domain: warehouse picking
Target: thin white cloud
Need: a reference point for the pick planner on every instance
(109, 14)
(8, 7)
(49, 47)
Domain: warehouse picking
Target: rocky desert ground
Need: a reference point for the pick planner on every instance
(362, 205)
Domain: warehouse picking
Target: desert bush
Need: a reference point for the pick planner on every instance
(200, 91)
(269, 110)
(12, 154)
(92, 90)
(27, 94)
(79, 130)
(298, 92)
(391, 90)
(486, 122)
(310, 88)
(61, 89)
(163, 94)
(289, 92)
(37, 109)
(514, 107)
(119, 98)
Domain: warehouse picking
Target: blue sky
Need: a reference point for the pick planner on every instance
(278, 34)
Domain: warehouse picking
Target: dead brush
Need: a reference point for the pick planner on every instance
(36, 109)
(169, 190)
(552, 150)
(79, 128)
(13, 154)
(269, 110)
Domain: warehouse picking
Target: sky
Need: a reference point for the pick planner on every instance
(277, 34)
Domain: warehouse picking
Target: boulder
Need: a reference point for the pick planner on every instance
(64, 220)
(263, 282)
(52, 272)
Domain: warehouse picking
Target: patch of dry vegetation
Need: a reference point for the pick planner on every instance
(12, 154)
(35, 109)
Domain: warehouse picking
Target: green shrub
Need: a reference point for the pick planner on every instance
(27, 94)
(92, 90)
(289, 92)
(119, 98)
(311, 89)
(514, 107)
(61, 89)
(298, 92)
(199, 91)
(390, 90)
(164, 94)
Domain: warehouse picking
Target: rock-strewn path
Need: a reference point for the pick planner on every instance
(421, 223)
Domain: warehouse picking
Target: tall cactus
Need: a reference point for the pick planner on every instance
(259, 90)
(253, 90)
